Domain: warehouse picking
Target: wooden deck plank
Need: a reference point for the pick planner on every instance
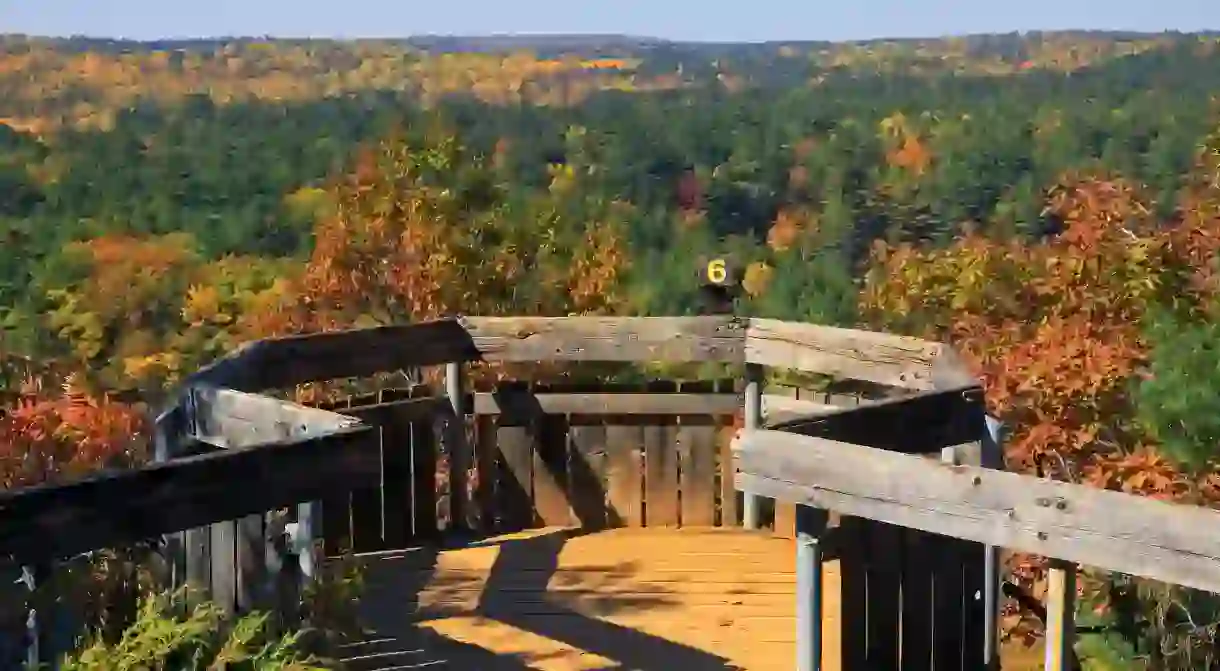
(563, 600)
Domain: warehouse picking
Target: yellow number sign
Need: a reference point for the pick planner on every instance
(717, 271)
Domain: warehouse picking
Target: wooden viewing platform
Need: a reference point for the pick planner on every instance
(569, 526)
(643, 598)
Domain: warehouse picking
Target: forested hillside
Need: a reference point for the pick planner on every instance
(1048, 202)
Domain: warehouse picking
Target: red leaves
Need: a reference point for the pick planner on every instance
(69, 435)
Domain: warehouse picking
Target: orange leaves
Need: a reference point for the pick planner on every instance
(420, 231)
(596, 274)
(757, 278)
(787, 229)
(911, 155)
(70, 435)
(1051, 327)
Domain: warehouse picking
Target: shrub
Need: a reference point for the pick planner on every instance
(204, 639)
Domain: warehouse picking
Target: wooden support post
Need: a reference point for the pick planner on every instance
(753, 420)
(1060, 616)
(810, 525)
(459, 451)
(165, 447)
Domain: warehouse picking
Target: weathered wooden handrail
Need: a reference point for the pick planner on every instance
(218, 407)
(1065, 522)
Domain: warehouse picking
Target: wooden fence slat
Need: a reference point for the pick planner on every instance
(367, 509)
(884, 566)
(697, 469)
(197, 547)
(587, 475)
(550, 471)
(917, 560)
(337, 531)
(251, 560)
(974, 618)
(730, 498)
(224, 565)
(947, 606)
(624, 486)
(661, 472)
(485, 471)
(515, 481)
(853, 593)
(396, 481)
(423, 480)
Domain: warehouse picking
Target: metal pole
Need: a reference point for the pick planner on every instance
(459, 454)
(992, 457)
(37, 651)
(753, 421)
(810, 523)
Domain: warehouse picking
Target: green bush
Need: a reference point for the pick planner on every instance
(203, 639)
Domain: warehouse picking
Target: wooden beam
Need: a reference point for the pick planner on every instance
(228, 418)
(524, 402)
(284, 362)
(669, 339)
(110, 508)
(407, 410)
(778, 409)
(1109, 530)
(898, 361)
(919, 423)
(517, 401)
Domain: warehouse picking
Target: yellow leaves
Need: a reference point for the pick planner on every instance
(563, 178)
(757, 278)
(165, 366)
(308, 202)
(203, 305)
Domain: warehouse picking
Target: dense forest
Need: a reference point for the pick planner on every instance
(1049, 202)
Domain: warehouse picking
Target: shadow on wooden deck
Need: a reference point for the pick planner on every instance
(511, 615)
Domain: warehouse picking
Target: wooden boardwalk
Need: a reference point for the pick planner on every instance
(561, 600)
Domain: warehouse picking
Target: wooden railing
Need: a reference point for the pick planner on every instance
(227, 454)
(1065, 522)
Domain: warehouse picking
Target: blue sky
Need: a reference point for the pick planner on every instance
(676, 19)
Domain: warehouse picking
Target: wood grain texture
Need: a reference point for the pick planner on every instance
(674, 339)
(613, 403)
(661, 473)
(624, 473)
(897, 361)
(1105, 529)
(696, 440)
(587, 470)
(283, 362)
(925, 422)
(114, 507)
(232, 419)
(559, 599)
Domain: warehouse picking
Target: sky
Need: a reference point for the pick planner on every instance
(707, 20)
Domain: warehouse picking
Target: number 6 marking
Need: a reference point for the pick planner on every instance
(717, 271)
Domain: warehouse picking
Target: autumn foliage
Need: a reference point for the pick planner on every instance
(65, 433)
(1060, 329)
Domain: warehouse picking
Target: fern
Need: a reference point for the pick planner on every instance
(202, 640)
